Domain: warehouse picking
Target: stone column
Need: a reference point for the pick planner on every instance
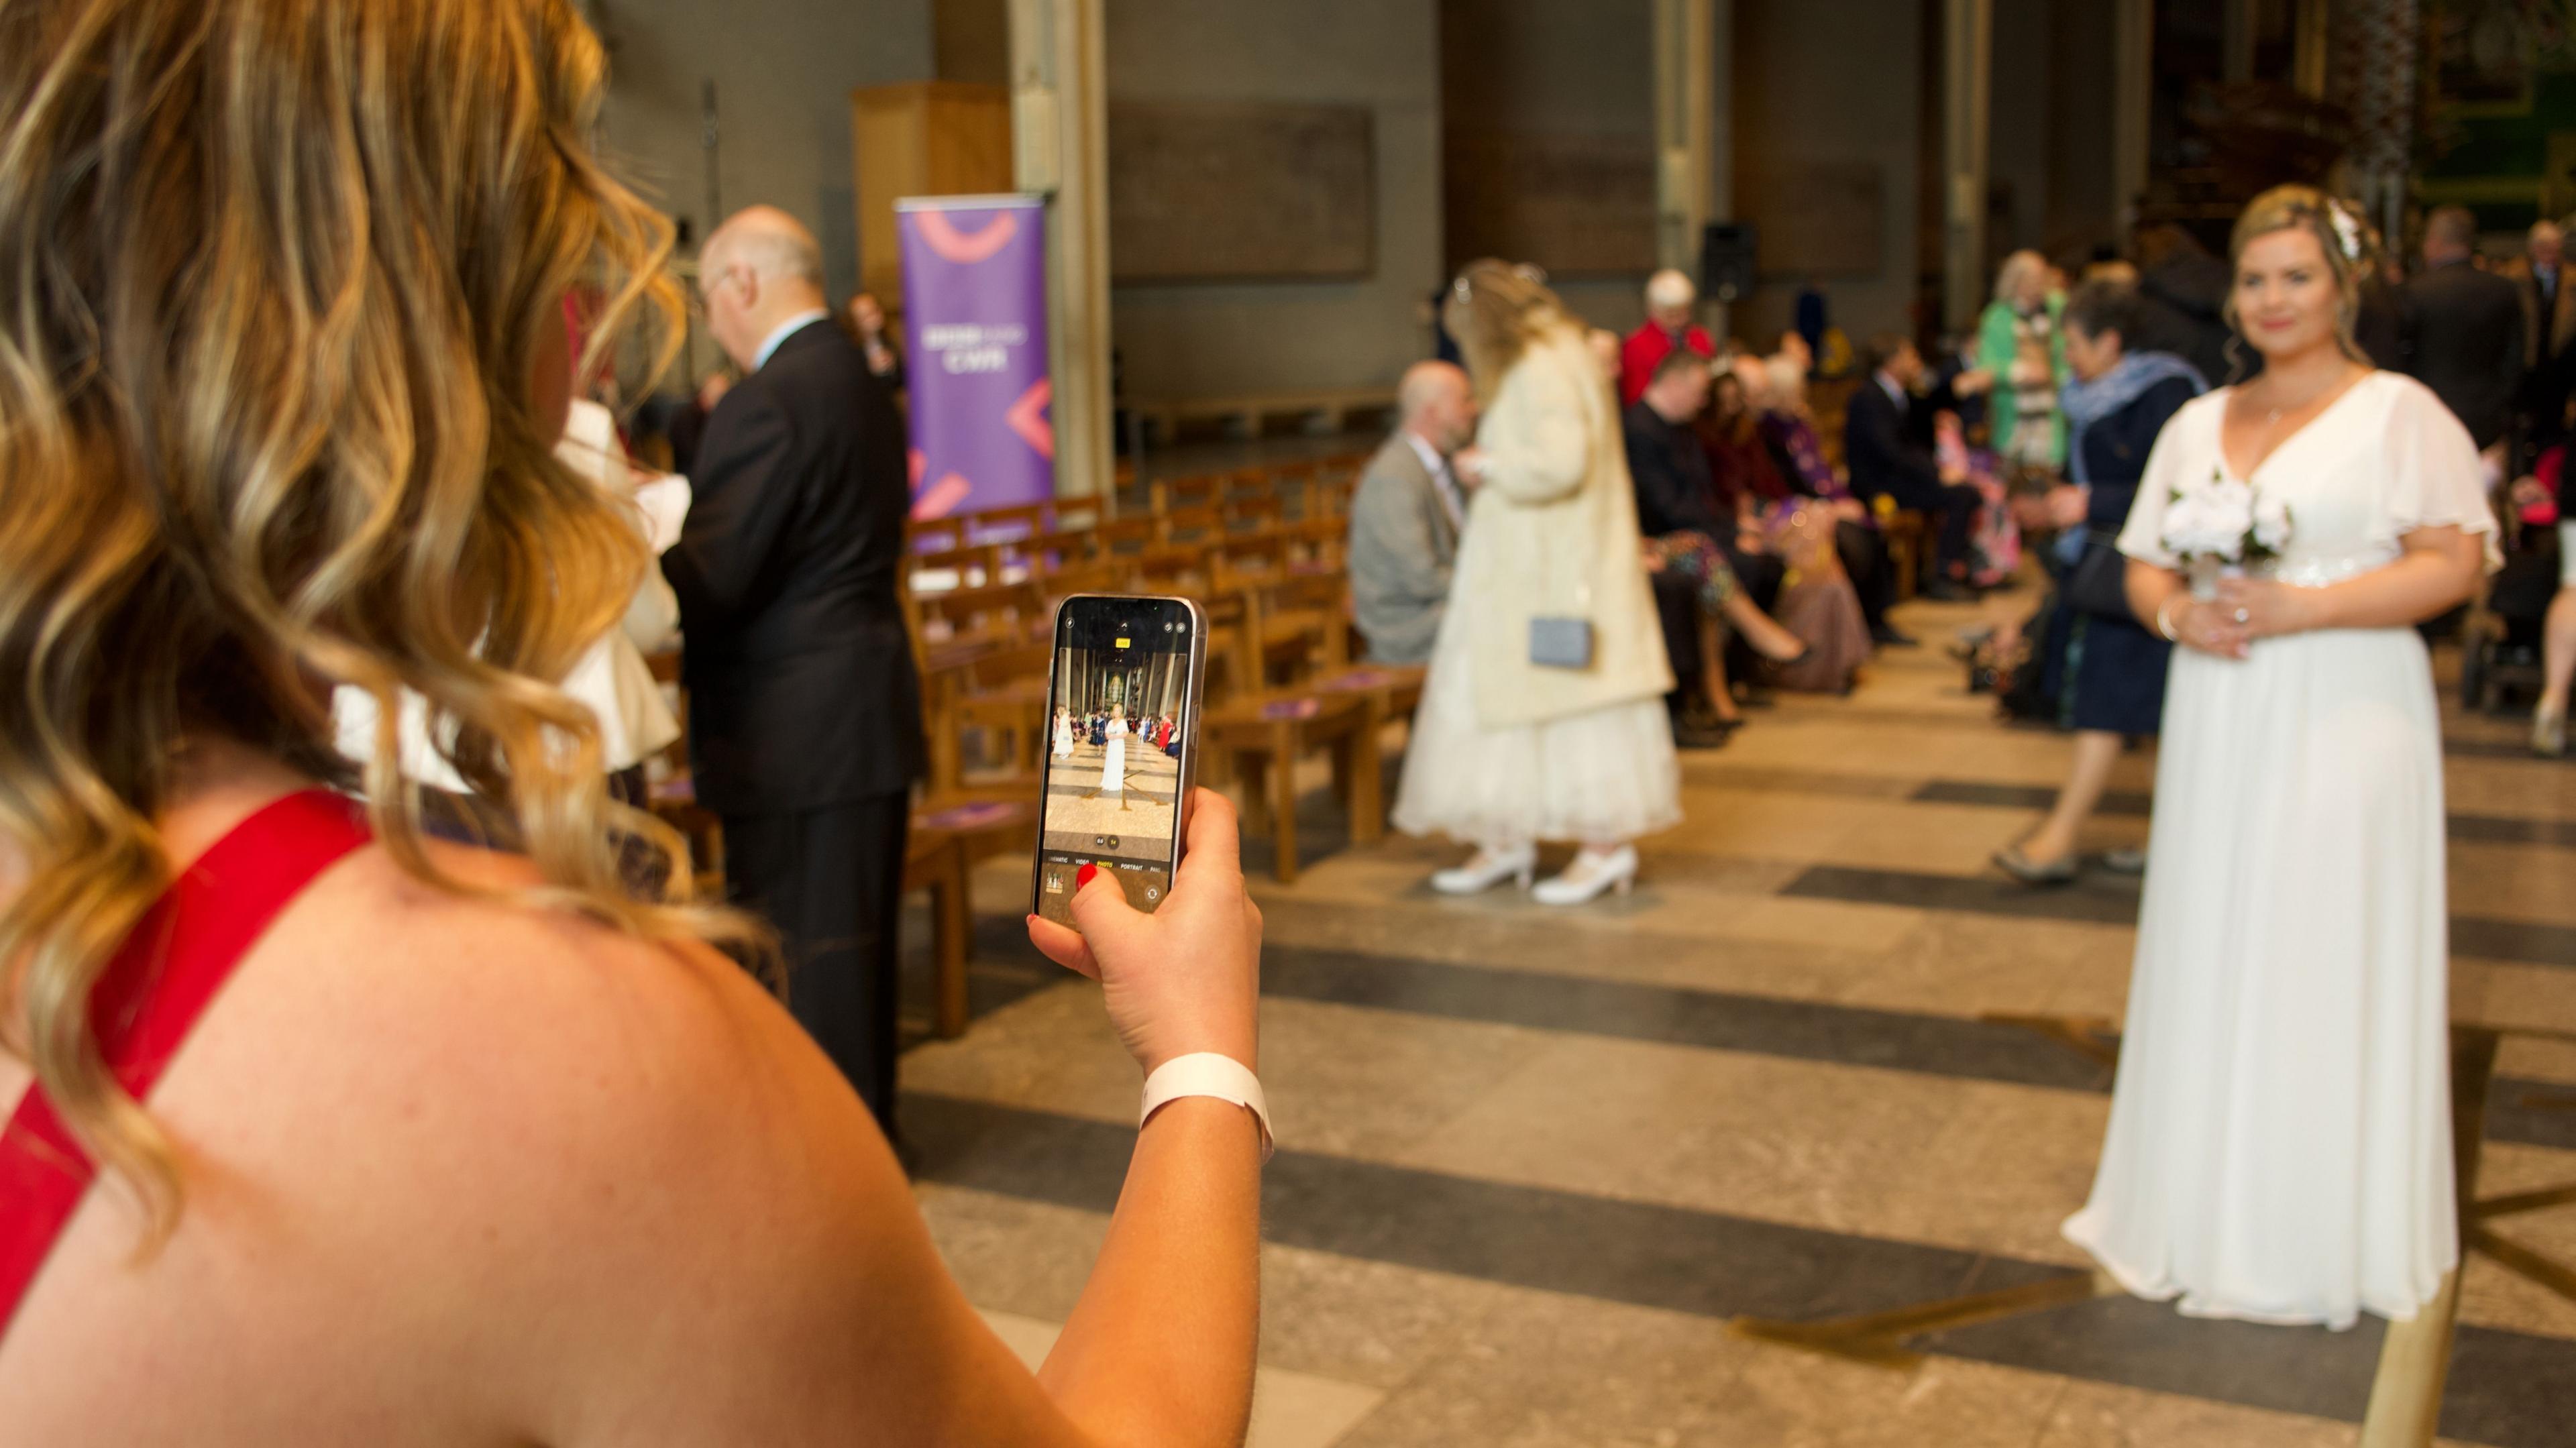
(2236, 40)
(1059, 144)
(1685, 127)
(2133, 76)
(1967, 78)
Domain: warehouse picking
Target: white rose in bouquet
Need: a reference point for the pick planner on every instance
(2271, 525)
(2225, 521)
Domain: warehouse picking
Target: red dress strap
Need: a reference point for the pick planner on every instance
(160, 981)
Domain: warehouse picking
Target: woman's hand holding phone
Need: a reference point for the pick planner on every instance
(1186, 978)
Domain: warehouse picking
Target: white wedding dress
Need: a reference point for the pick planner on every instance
(1113, 769)
(2280, 1138)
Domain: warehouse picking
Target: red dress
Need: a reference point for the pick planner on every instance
(161, 981)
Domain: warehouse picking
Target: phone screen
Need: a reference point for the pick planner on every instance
(1119, 727)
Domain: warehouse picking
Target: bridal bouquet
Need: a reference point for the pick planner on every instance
(2224, 525)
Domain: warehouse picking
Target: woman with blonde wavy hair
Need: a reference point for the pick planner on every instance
(337, 1133)
(1542, 718)
(2280, 1138)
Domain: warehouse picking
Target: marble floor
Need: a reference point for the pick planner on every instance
(1542, 1173)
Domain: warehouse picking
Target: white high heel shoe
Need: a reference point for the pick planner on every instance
(1588, 876)
(2549, 735)
(1485, 869)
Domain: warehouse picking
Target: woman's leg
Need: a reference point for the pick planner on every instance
(1712, 674)
(2559, 653)
(1762, 631)
(2096, 750)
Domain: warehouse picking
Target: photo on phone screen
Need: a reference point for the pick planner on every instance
(1118, 747)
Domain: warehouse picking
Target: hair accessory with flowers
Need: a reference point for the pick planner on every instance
(2348, 229)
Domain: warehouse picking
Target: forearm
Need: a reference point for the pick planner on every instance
(2150, 589)
(1154, 1353)
(2425, 583)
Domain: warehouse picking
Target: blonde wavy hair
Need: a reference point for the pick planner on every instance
(2341, 234)
(274, 279)
(1495, 310)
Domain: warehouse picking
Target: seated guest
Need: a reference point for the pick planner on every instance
(1886, 463)
(1670, 300)
(868, 328)
(1794, 535)
(1679, 515)
(1777, 390)
(1406, 516)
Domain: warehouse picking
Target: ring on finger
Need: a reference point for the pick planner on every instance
(2244, 616)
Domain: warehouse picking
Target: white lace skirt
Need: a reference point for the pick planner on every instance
(1600, 777)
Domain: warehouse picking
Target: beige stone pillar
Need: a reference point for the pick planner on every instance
(1685, 127)
(2236, 39)
(1060, 150)
(2133, 78)
(2311, 43)
(1967, 78)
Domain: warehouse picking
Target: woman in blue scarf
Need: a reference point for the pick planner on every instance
(2110, 669)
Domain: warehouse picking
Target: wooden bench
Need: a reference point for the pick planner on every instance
(1259, 741)
(1323, 411)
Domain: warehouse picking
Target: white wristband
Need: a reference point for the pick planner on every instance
(1208, 1074)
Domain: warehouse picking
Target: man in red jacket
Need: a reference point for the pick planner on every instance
(1670, 299)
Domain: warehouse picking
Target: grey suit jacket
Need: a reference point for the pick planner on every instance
(1402, 549)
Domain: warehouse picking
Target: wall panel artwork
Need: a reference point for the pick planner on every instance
(1821, 219)
(1577, 205)
(1209, 191)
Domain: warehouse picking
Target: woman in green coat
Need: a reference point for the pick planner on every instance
(2019, 342)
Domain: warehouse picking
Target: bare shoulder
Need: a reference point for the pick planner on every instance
(512, 1113)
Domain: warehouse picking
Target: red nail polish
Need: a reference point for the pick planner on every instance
(1083, 877)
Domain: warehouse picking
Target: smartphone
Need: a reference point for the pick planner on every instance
(1122, 746)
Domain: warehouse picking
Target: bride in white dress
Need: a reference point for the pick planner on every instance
(1113, 767)
(1064, 733)
(2280, 1138)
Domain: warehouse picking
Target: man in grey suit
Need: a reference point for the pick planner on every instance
(1406, 516)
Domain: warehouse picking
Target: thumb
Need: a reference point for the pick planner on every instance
(1100, 908)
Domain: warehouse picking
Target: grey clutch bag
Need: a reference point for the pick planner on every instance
(1561, 643)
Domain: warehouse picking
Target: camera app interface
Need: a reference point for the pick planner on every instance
(1114, 750)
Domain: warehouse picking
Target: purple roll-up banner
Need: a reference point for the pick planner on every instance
(974, 294)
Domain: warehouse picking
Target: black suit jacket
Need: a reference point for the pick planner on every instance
(1676, 491)
(2467, 334)
(1881, 455)
(802, 692)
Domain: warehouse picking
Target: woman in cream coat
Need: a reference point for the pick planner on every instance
(1508, 752)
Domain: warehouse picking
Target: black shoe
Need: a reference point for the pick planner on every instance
(1886, 636)
(2022, 867)
(1693, 736)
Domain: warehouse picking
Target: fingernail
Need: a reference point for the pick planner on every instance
(1083, 876)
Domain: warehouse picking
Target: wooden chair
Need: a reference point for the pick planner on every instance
(1254, 515)
(1131, 535)
(1389, 692)
(948, 569)
(934, 861)
(1907, 535)
(995, 611)
(1002, 695)
(1260, 738)
(1194, 525)
(1171, 495)
(1006, 525)
(1299, 623)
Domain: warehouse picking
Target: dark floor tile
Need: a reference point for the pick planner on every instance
(1633, 1252)
(2142, 1344)
(1715, 1020)
(2507, 1389)
(2111, 901)
(2474, 829)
